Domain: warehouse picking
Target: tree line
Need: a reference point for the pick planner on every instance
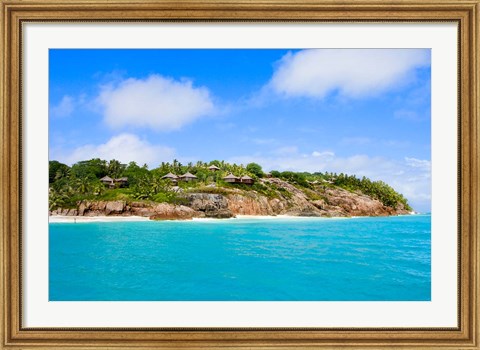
(69, 184)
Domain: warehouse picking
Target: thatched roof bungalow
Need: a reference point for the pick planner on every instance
(231, 178)
(246, 180)
(187, 177)
(120, 182)
(213, 168)
(170, 176)
(107, 181)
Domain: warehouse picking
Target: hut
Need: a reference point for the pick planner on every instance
(187, 177)
(172, 177)
(121, 182)
(246, 180)
(213, 168)
(269, 175)
(107, 181)
(231, 178)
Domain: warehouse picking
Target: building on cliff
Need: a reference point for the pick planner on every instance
(107, 181)
(213, 168)
(172, 177)
(187, 177)
(112, 183)
(231, 178)
(246, 180)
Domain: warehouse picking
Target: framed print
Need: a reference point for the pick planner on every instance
(239, 175)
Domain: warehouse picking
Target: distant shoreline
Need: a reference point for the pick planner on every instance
(83, 219)
(73, 219)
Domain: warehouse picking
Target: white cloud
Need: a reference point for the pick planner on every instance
(410, 176)
(352, 72)
(124, 147)
(64, 108)
(419, 163)
(155, 102)
(326, 154)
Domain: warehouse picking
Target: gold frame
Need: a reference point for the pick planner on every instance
(465, 13)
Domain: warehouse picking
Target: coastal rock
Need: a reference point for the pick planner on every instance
(287, 199)
(249, 205)
(211, 205)
(114, 207)
(173, 212)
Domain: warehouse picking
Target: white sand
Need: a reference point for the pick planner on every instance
(73, 219)
(271, 217)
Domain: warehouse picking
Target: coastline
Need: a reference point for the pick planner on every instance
(55, 219)
(84, 219)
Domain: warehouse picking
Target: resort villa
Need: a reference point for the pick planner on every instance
(112, 183)
(172, 177)
(213, 168)
(230, 178)
(187, 177)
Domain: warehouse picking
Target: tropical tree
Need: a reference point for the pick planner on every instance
(255, 169)
(96, 167)
(57, 170)
(82, 185)
(115, 169)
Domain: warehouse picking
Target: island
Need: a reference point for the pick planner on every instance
(215, 189)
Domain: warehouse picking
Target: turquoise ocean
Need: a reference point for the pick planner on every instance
(280, 259)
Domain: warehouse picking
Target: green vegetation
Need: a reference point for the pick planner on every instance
(255, 169)
(82, 181)
(376, 189)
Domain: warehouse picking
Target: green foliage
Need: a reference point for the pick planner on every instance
(115, 169)
(169, 197)
(134, 172)
(90, 168)
(294, 178)
(267, 191)
(57, 170)
(376, 189)
(211, 190)
(115, 194)
(275, 173)
(81, 181)
(255, 169)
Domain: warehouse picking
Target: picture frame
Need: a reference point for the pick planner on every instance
(15, 13)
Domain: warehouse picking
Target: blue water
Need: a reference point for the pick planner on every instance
(306, 259)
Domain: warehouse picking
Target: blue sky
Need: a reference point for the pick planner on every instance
(363, 112)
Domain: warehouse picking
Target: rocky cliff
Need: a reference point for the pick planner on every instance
(325, 201)
(322, 201)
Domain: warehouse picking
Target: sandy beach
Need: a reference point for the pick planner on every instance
(79, 219)
(74, 219)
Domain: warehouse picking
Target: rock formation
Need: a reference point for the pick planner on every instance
(322, 201)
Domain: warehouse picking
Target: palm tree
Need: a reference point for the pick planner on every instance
(115, 168)
(83, 185)
(56, 199)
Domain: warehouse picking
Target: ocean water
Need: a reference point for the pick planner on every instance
(305, 259)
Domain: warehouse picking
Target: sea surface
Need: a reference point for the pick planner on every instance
(305, 259)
